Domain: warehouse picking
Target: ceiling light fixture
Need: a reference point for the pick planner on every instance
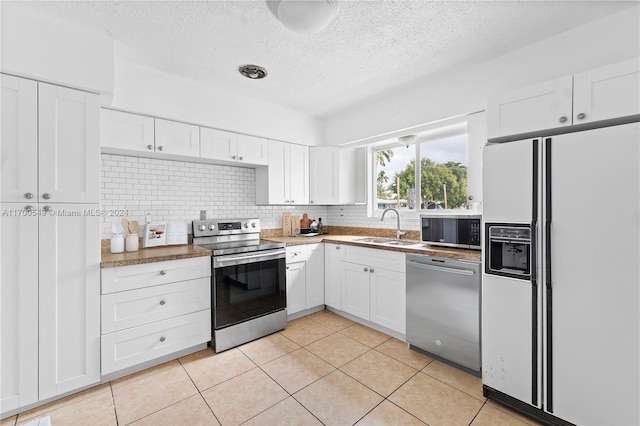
(304, 16)
(254, 72)
(407, 140)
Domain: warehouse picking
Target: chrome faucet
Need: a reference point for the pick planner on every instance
(399, 233)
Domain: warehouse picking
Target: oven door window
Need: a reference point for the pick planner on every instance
(242, 292)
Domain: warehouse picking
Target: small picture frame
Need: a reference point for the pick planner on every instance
(155, 234)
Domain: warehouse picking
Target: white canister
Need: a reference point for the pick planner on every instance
(117, 243)
(131, 242)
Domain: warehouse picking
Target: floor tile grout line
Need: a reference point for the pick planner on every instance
(449, 384)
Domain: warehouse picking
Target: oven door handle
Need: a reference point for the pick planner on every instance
(248, 258)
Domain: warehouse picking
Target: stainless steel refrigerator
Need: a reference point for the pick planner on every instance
(561, 275)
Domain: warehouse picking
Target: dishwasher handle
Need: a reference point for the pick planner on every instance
(467, 272)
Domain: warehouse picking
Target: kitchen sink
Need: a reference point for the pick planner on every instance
(387, 242)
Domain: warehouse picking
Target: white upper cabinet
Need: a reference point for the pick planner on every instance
(177, 138)
(126, 131)
(607, 92)
(50, 143)
(286, 179)
(599, 94)
(542, 106)
(228, 146)
(19, 150)
(337, 176)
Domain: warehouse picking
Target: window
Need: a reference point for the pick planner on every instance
(442, 171)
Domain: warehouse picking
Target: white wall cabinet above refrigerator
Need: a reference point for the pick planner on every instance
(337, 176)
(600, 94)
(235, 147)
(286, 178)
(50, 146)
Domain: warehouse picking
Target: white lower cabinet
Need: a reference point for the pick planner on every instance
(372, 286)
(50, 313)
(154, 309)
(305, 277)
(333, 255)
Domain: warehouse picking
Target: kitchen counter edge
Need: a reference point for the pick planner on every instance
(419, 248)
(151, 254)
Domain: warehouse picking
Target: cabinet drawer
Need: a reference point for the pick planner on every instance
(136, 345)
(142, 306)
(150, 274)
(378, 258)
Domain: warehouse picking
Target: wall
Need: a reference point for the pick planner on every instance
(611, 39)
(44, 49)
(145, 90)
(176, 191)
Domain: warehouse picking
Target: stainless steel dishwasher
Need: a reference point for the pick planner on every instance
(443, 309)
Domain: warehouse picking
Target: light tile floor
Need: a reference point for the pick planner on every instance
(323, 369)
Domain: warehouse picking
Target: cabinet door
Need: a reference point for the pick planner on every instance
(69, 299)
(69, 145)
(19, 150)
(333, 255)
(296, 287)
(354, 286)
(122, 130)
(315, 275)
(277, 182)
(218, 144)
(18, 308)
(324, 175)
(253, 150)
(299, 174)
(388, 299)
(607, 92)
(542, 106)
(177, 138)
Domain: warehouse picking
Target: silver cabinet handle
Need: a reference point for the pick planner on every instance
(337, 247)
(287, 267)
(241, 158)
(233, 157)
(28, 208)
(46, 196)
(366, 269)
(563, 119)
(160, 148)
(163, 272)
(150, 147)
(163, 302)
(371, 270)
(581, 116)
(311, 201)
(162, 339)
(293, 201)
(46, 209)
(28, 195)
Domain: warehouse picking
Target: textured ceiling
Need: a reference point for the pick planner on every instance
(369, 49)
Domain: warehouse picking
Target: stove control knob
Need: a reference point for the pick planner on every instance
(202, 227)
(246, 225)
(212, 227)
(253, 225)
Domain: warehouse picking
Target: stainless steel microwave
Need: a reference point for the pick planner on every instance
(451, 231)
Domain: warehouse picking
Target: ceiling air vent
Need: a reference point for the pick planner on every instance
(254, 72)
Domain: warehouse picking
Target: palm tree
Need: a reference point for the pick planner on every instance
(383, 157)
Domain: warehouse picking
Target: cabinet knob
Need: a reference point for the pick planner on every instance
(337, 247)
(28, 208)
(163, 272)
(160, 148)
(371, 270)
(287, 267)
(563, 119)
(366, 269)
(581, 116)
(292, 201)
(28, 195)
(46, 209)
(150, 147)
(162, 339)
(163, 302)
(46, 196)
(233, 157)
(311, 201)
(241, 158)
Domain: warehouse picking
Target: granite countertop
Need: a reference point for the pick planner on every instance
(418, 248)
(151, 254)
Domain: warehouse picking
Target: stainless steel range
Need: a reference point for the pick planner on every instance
(248, 281)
